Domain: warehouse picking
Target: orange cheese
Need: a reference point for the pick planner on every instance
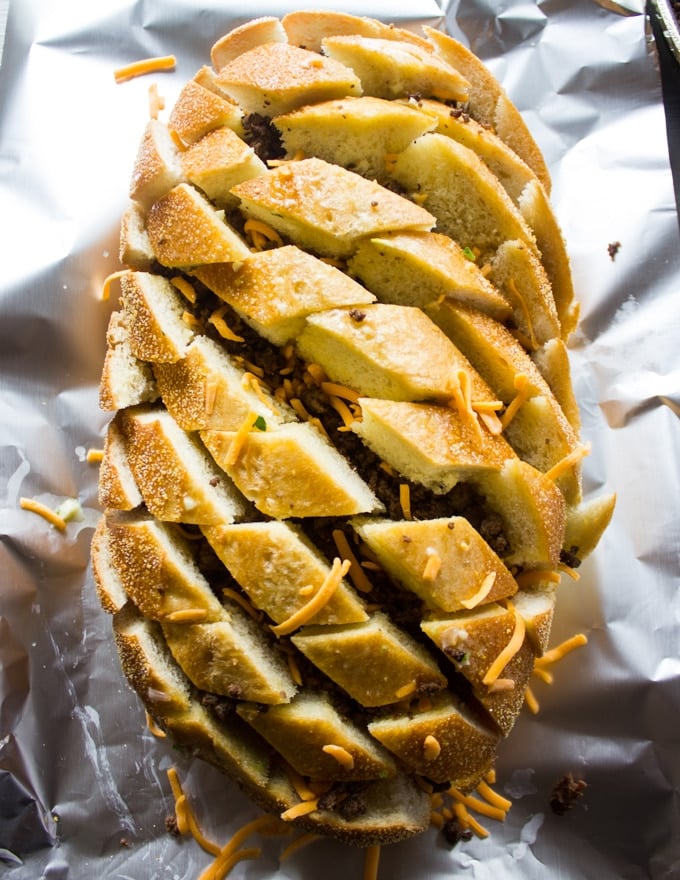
(146, 65)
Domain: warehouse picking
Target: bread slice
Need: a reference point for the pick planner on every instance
(432, 445)
(117, 487)
(418, 268)
(442, 742)
(277, 77)
(308, 28)
(488, 102)
(445, 562)
(394, 69)
(586, 523)
(256, 32)
(219, 161)
(317, 741)
(552, 360)
(387, 351)
(107, 581)
(207, 390)
(455, 122)
(157, 570)
(199, 110)
(399, 665)
(533, 511)
(462, 193)
(153, 311)
(516, 270)
(300, 285)
(157, 168)
(539, 432)
(362, 134)
(537, 211)
(473, 641)
(177, 478)
(185, 230)
(291, 472)
(279, 568)
(134, 246)
(325, 208)
(125, 380)
(229, 657)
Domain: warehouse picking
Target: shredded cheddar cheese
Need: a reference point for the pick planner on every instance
(405, 500)
(561, 650)
(153, 727)
(484, 808)
(108, 281)
(432, 568)
(537, 576)
(508, 652)
(431, 748)
(252, 382)
(261, 234)
(479, 595)
(156, 102)
(333, 389)
(356, 573)
(530, 701)
(341, 755)
(94, 456)
(484, 789)
(405, 690)
(44, 511)
(186, 615)
(524, 391)
(187, 289)
(145, 66)
(301, 809)
(218, 322)
(371, 862)
(512, 287)
(345, 413)
(502, 684)
(241, 600)
(569, 571)
(462, 399)
(192, 321)
(322, 596)
(573, 458)
(240, 439)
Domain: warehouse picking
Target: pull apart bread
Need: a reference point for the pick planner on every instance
(343, 466)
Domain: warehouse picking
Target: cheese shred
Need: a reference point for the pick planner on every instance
(341, 755)
(568, 461)
(356, 572)
(240, 439)
(479, 595)
(322, 596)
(405, 500)
(371, 862)
(508, 652)
(301, 809)
(145, 66)
(44, 511)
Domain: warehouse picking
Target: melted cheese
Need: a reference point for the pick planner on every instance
(316, 603)
(146, 65)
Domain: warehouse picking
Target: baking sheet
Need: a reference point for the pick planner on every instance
(83, 787)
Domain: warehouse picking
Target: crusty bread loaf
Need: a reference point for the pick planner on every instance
(342, 471)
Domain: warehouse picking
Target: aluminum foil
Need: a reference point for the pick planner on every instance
(83, 786)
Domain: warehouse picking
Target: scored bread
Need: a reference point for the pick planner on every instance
(342, 471)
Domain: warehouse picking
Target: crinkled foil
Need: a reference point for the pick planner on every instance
(83, 785)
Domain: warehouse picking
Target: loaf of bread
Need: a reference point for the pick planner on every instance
(342, 471)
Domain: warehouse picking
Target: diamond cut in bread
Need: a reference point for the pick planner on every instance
(325, 208)
(342, 470)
